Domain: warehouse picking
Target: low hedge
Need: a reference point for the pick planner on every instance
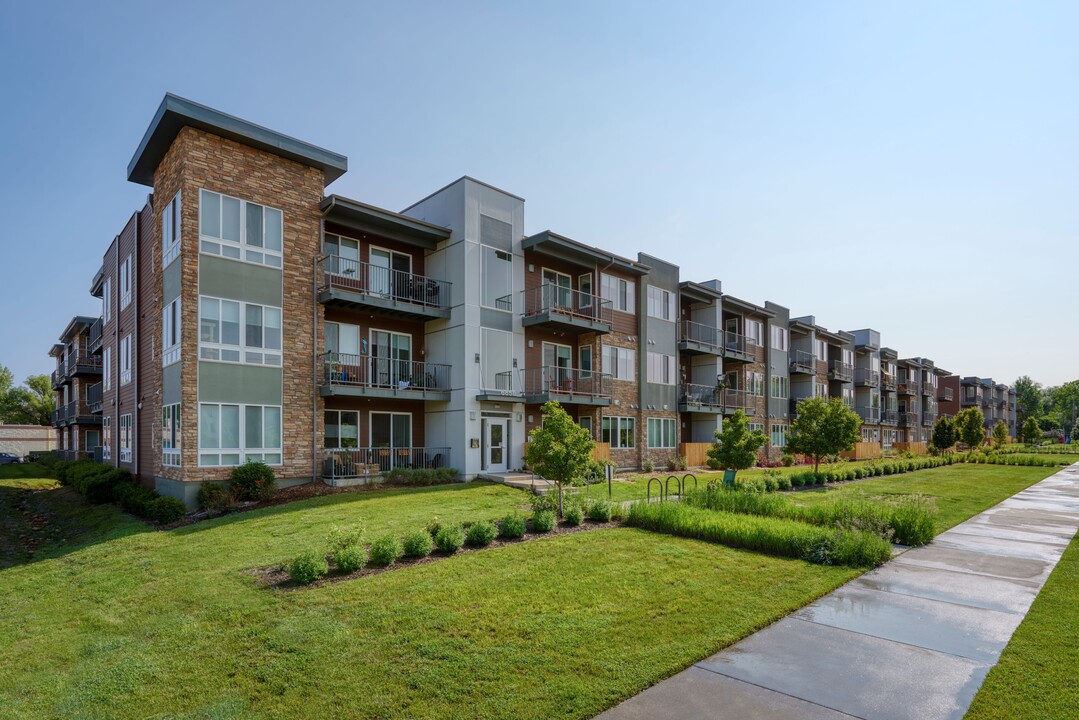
(106, 484)
(422, 477)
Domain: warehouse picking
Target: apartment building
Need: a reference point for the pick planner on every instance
(246, 314)
(997, 401)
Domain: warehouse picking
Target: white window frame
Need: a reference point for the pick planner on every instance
(241, 250)
(780, 430)
(612, 427)
(125, 360)
(755, 384)
(661, 304)
(661, 369)
(106, 438)
(620, 292)
(106, 301)
(171, 435)
(125, 438)
(337, 440)
(754, 331)
(620, 363)
(242, 453)
(170, 231)
(780, 339)
(780, 387)
(171, 326)
(666, 429)
(106, 369)
(125, 282)
(498, 252)
(270, 357)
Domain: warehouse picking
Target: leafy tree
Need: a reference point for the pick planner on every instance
(1063, 400)
(823, 427)
(970, 426)
(560, 450)
(1032, 432)
(735, 446)
(944, 434)
(30, 404)
(1050, 421)
(1028, 398)
(1000, 434)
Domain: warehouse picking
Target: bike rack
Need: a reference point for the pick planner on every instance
(682, 483)
(662, 496)
(677, 486)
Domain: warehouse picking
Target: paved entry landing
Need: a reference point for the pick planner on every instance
(911, 640)
(520, 480)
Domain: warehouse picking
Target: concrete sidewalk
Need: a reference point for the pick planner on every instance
(912, 639)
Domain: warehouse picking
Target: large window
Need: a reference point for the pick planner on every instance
(125, 360)
(240, 230)
(661, 304)
(234, 331)
(106, 369)
(497, 357)
(106, 301)
(662, 432)
(125, 282)
(820, 350)
(620, 432)
(125, 438)
(620, 362)
(661, 369)
(106, 438)
(780, 387)
(170, 231)
(171, 438)
(755, 383)
(820, 390)
(496, 278)
(391, 430)
(755, 332)
(779, 436)
(170, 333)
(234, 434)
(342, 429)
(620, 292)
(779, 338)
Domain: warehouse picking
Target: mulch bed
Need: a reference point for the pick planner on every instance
(276, 577)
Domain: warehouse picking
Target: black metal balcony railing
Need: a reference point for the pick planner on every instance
(929, 418)
(708, 396)
(369, 461)
(907, 387)
(382, 282)
(865, 377)
(908, 418)
(566, 383)
(841, 371)
(556, 301)
(868, 414)
(803, 362)
(402, 376)
(970, 399)
(83, 362)
(929, 389)
(946, 394)
(702, 335)
(93, 397)
(95, 336)
(739, 347)
(59, 375)
(59, 416)
(889, 382)
(889, 417)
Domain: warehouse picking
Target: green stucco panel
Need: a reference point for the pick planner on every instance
(228, 383)
(239, 281)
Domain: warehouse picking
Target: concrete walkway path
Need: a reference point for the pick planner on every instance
(911, 639)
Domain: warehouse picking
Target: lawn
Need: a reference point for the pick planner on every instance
(1035, 677)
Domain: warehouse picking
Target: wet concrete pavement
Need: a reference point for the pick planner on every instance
(913, 639)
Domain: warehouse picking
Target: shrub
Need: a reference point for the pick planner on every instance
(307, 568)
(165, 509)
(253, 481)
(600, 511)
(913, 521)
(351, 558)
(783, 483)
(787, 459)
(480, 534)
(450, 538)
(543, 521)
(677, 462)
(213, 497)
(512, 526)
(545, 502)
(340, 537)
(422, 477)
(433, 527)
(385, 551)
(417, 544)
(648, 466)
(574, 515)
(771, 480)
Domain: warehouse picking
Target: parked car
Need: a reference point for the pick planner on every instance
(9, 459)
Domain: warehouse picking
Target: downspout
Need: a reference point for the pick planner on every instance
(136, 366)
(314, 353)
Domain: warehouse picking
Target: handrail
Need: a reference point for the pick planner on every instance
(383, 282)
(381, 372)
(566, 381)
(700, 333)
(558, 300)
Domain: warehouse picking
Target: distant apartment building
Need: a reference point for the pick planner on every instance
(996, 401)
(248, 315)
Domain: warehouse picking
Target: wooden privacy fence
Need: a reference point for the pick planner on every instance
(696, 454)
(863, 451)
(918, 448)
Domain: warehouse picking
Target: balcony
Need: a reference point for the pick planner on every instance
(78, 413)
(567, 385)
(889, 417)
(93, 397)
(368, 462)
(694, 398)
(698, 339)
(869, 415)
(377, 377)
(929, 390)
(59, 375)
(970, 400)
(96, 337)
(356, 285)
(59, 416)
(888, 382)
(908, 419)
(908, 387)
(929, 419)
(946, 394)
(841, 371)
(802, 363)
(562, 308)
(83, 364)
(794, 404)
(739, 348)
(864, 377)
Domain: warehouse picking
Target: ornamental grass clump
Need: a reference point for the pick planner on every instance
(599, 511)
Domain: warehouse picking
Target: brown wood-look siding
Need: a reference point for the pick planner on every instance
(367, 240)
(125, 325)
(146, 364)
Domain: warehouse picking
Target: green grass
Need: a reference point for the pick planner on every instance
(145, 623)
(1036, 675)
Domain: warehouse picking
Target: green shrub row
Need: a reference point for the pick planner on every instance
(423, 476)
(979, 458)
(106, 484)
(787, 538)
(872, 468)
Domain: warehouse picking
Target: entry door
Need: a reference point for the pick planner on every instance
(343, 256)
(560, 288)
(497, 460)
(390, 273)
(93, 439)
(391, 358)
(391, 440)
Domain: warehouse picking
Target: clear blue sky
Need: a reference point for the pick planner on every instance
(912, 167)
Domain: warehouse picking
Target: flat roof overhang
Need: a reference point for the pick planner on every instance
(564, 248)
(175, 112)
(362, 217)
(699, 293)
(746, 306)
(77, 325)
(889, 354)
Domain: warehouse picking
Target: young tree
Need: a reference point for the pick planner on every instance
(970, 426)
(1032, 432)
(944, 436)
(560, 450)
(1028, 398)
(823, 427)
(735, 446)
(1000, 434)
